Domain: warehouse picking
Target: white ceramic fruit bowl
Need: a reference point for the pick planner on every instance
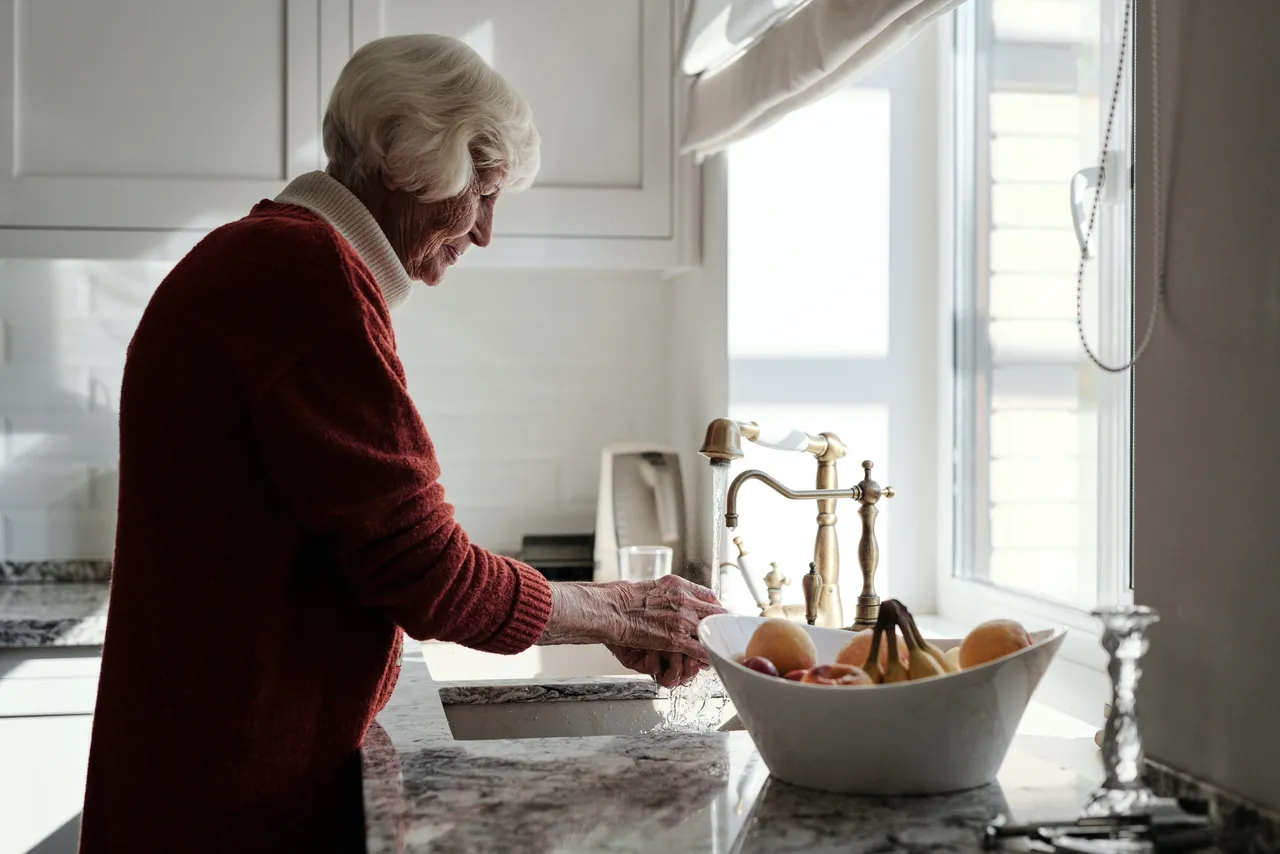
(925, 737)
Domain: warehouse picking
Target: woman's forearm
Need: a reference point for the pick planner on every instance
(582, 613)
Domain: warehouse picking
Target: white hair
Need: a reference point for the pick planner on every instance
(426, 112)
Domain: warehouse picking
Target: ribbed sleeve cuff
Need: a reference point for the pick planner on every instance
(529, 615)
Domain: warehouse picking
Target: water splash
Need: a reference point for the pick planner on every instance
(698, 706)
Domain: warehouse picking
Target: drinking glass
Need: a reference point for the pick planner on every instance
(643, 563)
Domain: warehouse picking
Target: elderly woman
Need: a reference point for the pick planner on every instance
(281, 520)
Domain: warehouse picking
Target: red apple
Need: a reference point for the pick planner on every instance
(760, 665)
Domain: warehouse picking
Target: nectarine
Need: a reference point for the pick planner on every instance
(991, 640)
(784, 643)
(837, 674)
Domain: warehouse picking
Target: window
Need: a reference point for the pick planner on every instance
(831, 319)
(1042, 435)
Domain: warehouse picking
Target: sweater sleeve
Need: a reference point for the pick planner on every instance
(346, 446)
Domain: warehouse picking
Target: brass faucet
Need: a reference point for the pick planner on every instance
(723, 444)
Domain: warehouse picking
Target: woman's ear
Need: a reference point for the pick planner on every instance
(387, 182)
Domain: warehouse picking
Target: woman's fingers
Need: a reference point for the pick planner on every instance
(705, 609)
(673, 674)
(668, 669)
(634, 659)
(688, 647)
(703, 593)
(653, 664)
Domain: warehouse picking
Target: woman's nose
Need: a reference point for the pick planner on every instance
(482, 231)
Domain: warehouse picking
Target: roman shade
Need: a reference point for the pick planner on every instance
(755, 61)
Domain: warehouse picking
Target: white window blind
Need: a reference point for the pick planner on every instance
(1041, 435)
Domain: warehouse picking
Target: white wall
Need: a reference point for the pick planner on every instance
(520, 376)
(1207, 397)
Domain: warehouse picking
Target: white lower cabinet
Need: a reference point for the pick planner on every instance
(46, 705)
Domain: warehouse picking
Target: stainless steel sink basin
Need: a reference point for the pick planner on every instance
(571, 718)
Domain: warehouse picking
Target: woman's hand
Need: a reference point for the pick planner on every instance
(668, 669)
(664, 615)
(661, 615)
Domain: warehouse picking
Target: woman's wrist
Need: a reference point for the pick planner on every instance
(582, 613)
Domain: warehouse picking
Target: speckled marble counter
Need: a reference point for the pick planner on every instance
(668, 792)
(53, 614)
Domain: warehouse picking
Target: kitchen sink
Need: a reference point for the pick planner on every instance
(452, 663)
(572, 718)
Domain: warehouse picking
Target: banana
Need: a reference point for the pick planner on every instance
(894, 671)
(933, 652)
(872, 667)
(952, 659)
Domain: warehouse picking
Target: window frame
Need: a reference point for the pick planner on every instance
(963, 489)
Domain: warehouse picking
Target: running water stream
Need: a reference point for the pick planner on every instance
(695, 706)
(719, 486)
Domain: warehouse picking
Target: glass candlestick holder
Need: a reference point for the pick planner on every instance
(1124, 791)
(1121, 816)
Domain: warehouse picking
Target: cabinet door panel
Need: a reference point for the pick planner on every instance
(50, 681)
(153, 114)
(42, 782)
(598, 76)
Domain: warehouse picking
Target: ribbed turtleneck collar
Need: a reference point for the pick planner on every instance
(338, 206)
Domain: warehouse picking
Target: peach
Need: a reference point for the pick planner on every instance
(796, 675)
(991, 640)
(855, 652)
(784, 643)
(837, 674)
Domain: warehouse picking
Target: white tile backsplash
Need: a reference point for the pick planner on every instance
(520, 376)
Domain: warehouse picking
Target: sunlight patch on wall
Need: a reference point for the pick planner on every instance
(809, 233)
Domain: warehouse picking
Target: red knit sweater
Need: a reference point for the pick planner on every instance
(280, 519)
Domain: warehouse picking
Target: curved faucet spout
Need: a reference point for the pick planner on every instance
(731, 502)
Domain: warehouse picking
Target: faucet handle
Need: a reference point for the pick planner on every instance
(872, 491)
(812, 583)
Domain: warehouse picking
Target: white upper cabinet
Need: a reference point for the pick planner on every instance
(130, 128)
(153, 114)
(598, 75)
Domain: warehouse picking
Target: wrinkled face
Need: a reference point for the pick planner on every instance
(430, 237)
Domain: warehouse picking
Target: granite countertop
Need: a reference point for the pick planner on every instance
(53, 614)
(671, 792)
